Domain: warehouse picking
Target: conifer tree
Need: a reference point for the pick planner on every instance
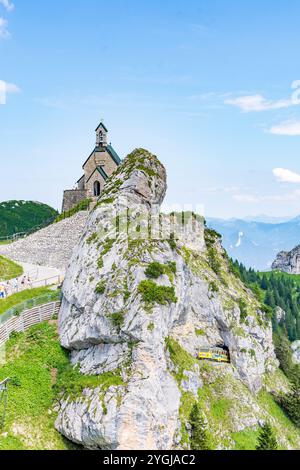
(199, 437)
(266, 439)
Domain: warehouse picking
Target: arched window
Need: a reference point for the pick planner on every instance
(97, 189)
(101, 139)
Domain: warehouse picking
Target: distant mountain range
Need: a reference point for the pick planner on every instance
(256, 243)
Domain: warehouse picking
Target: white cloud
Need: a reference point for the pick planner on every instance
(286, 176)
(7, 4)
(246, 198)
(259, 103)
(3, 28)
(11, 88)
(5, 89)
(253, 199)
(251, 103)
(291, 196)
(289, 128)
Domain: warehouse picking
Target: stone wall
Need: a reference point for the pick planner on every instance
(72, 197)
(52, 246)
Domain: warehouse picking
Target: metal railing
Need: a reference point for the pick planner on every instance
(29, 318)
(28, 304)
(15, 286)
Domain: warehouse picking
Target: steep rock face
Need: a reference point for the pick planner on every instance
(288, 262)
(122, 319)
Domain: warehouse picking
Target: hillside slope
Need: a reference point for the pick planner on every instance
(23, 216)
(52, 246)
(33, 362)
(141, 309)
(9, 269)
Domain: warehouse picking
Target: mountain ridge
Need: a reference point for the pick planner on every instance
(256, 244)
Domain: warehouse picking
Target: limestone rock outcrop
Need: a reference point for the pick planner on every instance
(288, 261)
(138, 304)
(52, 246)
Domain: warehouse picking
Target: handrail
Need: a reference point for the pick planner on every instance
(29, 304)
(27, 319)
(4, 383)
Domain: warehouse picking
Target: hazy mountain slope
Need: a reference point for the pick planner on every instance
(22, 216)
(256, 244)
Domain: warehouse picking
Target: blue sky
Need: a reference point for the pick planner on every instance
(206, 85)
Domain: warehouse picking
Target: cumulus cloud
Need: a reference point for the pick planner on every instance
(286, 176)
(251, 103)
(289, 128)
(7, 4)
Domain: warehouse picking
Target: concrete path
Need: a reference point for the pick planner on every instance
(34, 276)
(42, 275)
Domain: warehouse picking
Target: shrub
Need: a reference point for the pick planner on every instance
(213, 261)
(172, 267)
(155, 270)
(117, 319)
(100, 288)
(211, 236)
(172, 242)
(213, 287)
(152, 293)
(200, 332)
(82, 206)
(92, 238)
(243, 309)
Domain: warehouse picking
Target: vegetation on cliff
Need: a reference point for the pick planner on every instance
(81, 206)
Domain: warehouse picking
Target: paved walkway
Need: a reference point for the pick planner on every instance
(34, 276)
(38, 274)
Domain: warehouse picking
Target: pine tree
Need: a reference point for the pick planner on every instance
(291, 404)
(199, 437)
(266, 439)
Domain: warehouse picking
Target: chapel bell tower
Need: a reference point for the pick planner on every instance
(101, 135)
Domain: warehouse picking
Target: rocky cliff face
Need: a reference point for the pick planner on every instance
(137, 310)
(288, 262)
